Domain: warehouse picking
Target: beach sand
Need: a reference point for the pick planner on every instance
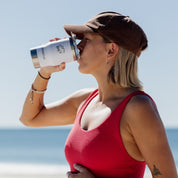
(33, 176)
(19, 170)
(42, 176)
(14, 170)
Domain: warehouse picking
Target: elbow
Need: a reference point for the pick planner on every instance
(25, 122)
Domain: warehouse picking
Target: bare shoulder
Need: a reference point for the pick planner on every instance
(142, 112)
(142, 101)
(145, 124)
(148, 133)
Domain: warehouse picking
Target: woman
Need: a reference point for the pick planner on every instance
(117, 128)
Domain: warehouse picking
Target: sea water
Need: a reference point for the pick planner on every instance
(40, 146)
(33, 145)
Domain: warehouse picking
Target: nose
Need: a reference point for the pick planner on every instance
(81, 45)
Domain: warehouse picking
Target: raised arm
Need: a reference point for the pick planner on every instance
(63, 112)
(150, 136)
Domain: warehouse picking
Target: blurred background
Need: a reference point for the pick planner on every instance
(26, 24)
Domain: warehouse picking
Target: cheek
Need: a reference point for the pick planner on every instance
(93, 57)
(100, 54)
(96, 53)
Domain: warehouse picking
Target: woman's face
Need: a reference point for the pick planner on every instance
(93, 53)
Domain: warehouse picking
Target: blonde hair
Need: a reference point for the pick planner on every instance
(124, 70)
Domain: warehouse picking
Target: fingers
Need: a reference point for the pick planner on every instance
(55, 39)
(80, 168)
(57, 68)
(72, 175)
(61, 66)
(51, 69)
(78, 173)
(81, 172)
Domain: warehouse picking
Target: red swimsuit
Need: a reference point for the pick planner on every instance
(101, 149)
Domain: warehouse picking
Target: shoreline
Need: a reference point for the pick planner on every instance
(26, 170)
(43, 176)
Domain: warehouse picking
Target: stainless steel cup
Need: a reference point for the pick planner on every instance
(54, 53)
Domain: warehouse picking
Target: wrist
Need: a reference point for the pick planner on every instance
(36, 91)
(44, 75)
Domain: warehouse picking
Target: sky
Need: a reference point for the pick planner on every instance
(26, 24)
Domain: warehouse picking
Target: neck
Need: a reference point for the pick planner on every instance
(109, 91)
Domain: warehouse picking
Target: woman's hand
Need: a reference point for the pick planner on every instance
(47, 71)
(82, 172)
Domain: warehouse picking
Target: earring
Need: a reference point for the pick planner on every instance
(107, 61)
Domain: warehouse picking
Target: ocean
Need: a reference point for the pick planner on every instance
(42, 149)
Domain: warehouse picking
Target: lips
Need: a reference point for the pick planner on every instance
(80, 52)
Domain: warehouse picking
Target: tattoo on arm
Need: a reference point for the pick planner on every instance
(156, 171)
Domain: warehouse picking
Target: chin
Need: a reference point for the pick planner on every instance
(83, 70)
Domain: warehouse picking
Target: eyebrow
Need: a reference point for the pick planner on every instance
(90, 34)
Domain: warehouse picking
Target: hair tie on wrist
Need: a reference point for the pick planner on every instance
(43, 77)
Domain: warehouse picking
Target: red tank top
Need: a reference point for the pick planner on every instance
(101, 149)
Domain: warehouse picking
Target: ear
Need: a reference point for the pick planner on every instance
(113, 49)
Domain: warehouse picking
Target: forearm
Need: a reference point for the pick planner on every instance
(34, 100)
